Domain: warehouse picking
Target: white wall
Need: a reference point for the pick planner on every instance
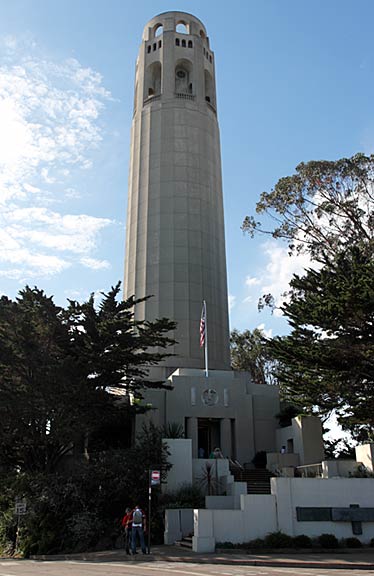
(365, 455)
(319, 492)
(342, 468)
(180, 450)
(261, 514)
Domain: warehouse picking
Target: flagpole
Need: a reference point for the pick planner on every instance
(206, 342)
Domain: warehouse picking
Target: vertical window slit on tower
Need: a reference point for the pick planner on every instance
(177, 42)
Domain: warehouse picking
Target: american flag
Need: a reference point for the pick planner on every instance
(202, 325)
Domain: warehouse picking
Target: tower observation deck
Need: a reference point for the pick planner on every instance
(175, 243)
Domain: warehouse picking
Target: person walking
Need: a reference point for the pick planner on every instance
(127, 528)
(139, 526)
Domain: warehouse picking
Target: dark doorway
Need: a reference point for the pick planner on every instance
(209, 436)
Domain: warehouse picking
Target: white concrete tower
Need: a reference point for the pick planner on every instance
(175, 243)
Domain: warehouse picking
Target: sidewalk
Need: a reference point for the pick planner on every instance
(353, 559)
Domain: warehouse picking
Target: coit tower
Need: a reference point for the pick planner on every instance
(175, 244)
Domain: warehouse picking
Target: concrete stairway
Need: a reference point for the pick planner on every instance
(186, 542)
(258, 479)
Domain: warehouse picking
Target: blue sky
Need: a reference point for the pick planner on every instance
(295, 83)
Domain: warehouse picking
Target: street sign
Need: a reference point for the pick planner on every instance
(155, 477)
(20, 507)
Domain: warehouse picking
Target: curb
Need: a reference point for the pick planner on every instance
(207, 559)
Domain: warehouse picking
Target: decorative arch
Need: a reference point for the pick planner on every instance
(182, 27)
(183, 77)
(153, 80)
(158, 30)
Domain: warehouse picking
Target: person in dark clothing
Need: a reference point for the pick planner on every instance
(127, 529)
(139, 526)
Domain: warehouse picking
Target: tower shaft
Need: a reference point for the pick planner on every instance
(175, 245)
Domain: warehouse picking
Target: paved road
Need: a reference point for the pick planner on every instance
(142, 567)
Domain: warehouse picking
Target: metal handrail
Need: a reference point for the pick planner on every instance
(314, 469)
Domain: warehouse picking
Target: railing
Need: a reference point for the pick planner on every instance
(184, 96)
(310, 471)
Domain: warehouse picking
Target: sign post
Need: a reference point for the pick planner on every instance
(20, 509)
(154, 479)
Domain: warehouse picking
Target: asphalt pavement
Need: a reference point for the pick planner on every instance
(355, 559)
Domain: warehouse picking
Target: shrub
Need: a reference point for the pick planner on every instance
(173, 430)
(256, 543)
(8, 532)
(352, 542)
(278, 540)
(225, 545)
(371, 543)
(302, 541)
(328, 541)
(187, 496)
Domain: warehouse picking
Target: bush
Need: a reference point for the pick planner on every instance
(225, 545)
(187, 496)
(371, 543)
(80, 509)
(302, 541)
(352, 542)
(328, 541)
(8, 532)
(278, 540)
(256, 543)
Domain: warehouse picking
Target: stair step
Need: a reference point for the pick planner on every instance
(257, 479)
(186, 542)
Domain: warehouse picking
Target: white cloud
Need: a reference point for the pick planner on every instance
(232, 301)
(248, 299)
(252, 281)
(268, 333)
(49, 115)
(276, 273)
(280, 269)
(95, 264)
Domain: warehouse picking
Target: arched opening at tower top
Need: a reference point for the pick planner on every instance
(153, 80)
(183, 77)
(182, 27)
(158, 30)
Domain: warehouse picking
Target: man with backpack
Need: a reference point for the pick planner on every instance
(139, 526)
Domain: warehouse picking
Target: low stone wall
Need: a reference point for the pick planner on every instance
(261, 514)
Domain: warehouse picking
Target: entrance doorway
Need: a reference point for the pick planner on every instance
(209, 436)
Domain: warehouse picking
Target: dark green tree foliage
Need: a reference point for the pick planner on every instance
(326, 209)
(81, 509)
(59, 366)
(322, 209)
(249, 354)
(327, 361)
